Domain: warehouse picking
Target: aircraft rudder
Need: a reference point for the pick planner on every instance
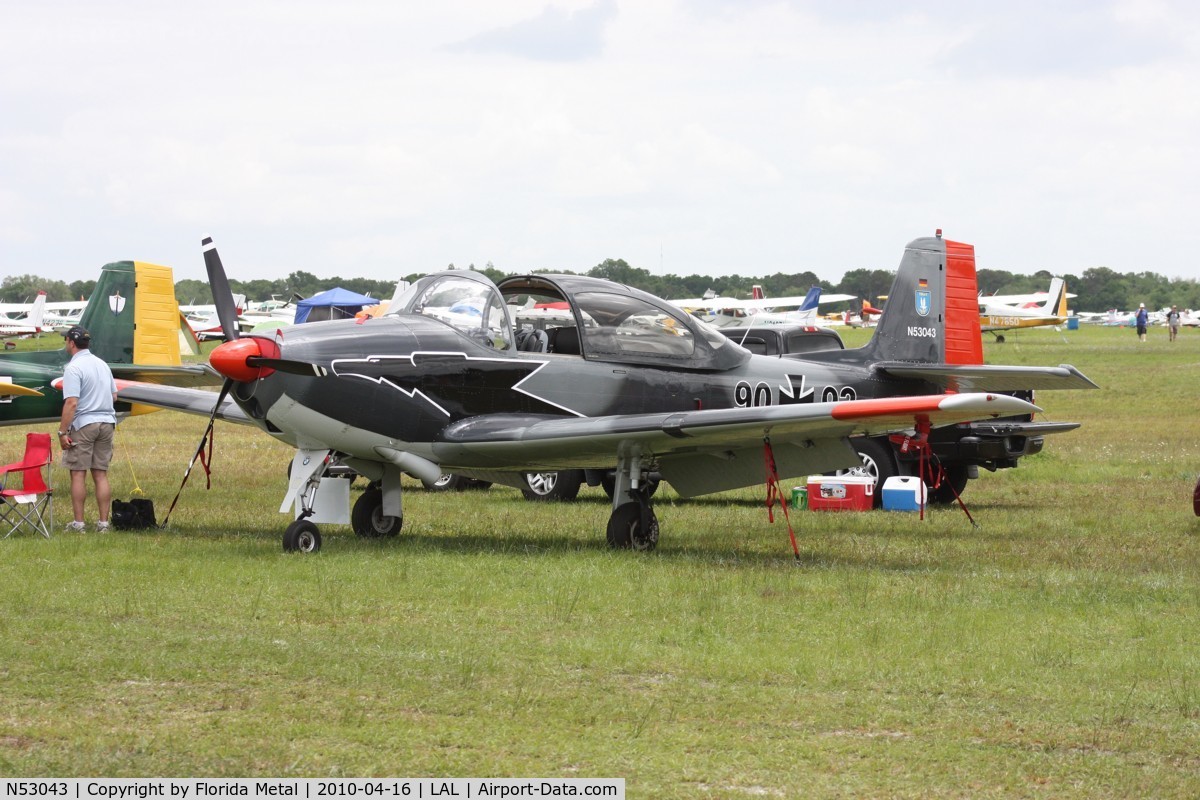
(1058, 298)
(38, 311)
(964, 339)
(156, 330)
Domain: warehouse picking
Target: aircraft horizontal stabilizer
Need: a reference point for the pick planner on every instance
(985, 378)
(10, 389)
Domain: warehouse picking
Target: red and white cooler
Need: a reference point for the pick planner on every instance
(844, 493)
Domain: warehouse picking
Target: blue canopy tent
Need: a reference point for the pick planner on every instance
(337, 303)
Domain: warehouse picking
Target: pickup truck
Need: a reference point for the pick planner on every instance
(961, 449)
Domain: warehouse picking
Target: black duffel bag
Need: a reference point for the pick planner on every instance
(136, 515)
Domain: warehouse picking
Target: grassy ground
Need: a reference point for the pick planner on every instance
(1050, 652)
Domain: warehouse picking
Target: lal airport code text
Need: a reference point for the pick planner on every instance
(310, 788)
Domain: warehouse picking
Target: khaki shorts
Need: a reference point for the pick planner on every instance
(91, 449)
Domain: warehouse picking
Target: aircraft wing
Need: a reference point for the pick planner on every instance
(986, 378)
(177, 398)
(794, 300)
(700, 452)
(10, 389)
(185, 375)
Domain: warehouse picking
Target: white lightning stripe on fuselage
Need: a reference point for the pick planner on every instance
(541, 364)
(410, 358)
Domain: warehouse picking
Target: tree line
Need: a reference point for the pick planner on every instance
(1097, 289)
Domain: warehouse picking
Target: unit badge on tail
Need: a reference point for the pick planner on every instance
(924, 300)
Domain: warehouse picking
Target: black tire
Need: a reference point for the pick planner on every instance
(625, 530)
(878, 462)
(651, 482)
(955, 480)
(447, 483)
(301, 536)
(551, 486)
(368, 520)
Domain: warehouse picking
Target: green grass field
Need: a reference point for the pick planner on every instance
(1050, 652)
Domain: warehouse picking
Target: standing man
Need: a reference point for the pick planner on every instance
(86, 430)
(1141, 319)
(1173, 322)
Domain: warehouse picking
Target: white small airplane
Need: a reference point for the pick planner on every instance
(61, 316)
(996, 316)
(29, 324)
(760, 309)
(203, 321)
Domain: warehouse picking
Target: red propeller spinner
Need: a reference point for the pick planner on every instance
(235, 359)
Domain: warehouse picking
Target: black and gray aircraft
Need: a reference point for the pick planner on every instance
(546, 372)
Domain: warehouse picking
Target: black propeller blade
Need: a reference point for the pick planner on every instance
(222, 295)
(287, 365)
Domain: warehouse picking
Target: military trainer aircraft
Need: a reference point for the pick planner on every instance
(134, 322)
(443, 383)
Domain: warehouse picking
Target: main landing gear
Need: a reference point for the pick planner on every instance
(633, 524)
(377, 513)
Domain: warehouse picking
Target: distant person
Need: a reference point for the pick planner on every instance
(1141, 319)
(1173, 322)
(85, 432)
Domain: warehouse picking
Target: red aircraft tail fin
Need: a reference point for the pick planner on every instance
(932, 313)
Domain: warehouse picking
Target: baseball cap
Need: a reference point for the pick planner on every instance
(78, 334)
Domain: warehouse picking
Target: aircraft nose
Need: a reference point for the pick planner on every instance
(233, 359)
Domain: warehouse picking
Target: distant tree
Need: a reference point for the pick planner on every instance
(191, 292)
(24, 288)
(493, 274)
(867, 284)
(81, 289)
(305, 283)
(618, 270)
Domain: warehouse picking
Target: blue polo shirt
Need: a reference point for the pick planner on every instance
(89, 378)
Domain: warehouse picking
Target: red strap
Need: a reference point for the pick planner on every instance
(206, 459)
(775, 493)
(929, 469)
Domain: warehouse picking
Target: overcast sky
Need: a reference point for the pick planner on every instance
(376, 139)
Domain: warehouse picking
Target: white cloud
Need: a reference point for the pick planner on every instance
(375, 139)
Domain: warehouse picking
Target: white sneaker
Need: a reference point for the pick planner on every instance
(103, 527)
(76, 527)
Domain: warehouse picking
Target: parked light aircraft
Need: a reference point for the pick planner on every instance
(996, 316)
(30, 323)
(634, 382)
(760, 309)
(134, 323)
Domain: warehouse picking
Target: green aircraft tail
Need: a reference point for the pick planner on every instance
(132, 315)
(135, 326)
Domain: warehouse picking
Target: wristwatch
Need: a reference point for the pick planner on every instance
(62, 433)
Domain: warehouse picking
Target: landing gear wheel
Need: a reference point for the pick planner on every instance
(633, 526)
(651, 480)
(368, 520)
(301, 536)
(546, 486)
(878, 462)
(447, 483)
(953, 482)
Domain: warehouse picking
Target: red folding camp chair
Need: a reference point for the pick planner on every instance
(30, 505)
